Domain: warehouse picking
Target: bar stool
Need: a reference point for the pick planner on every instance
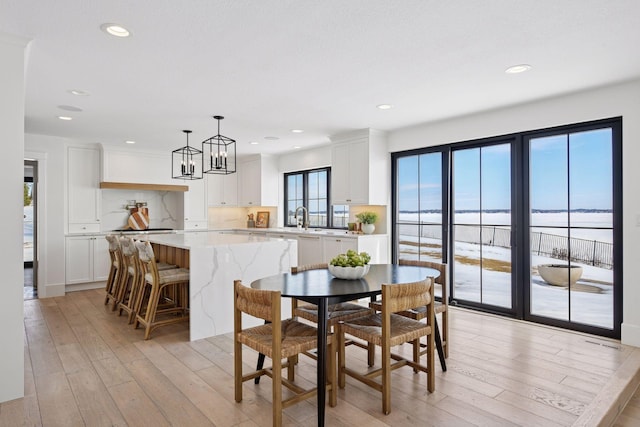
(115, 271)
(132, 281)
(167, 292)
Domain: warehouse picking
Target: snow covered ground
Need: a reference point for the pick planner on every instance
(590, 303)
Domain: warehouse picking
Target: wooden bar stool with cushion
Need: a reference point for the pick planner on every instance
(115, 271)
(387, 329)
(134, 278)
(278, 339)
(167, 292)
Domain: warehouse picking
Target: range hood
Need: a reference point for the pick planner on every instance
(140, 186)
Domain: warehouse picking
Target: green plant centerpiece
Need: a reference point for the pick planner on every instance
(351, 265)
(367, 217)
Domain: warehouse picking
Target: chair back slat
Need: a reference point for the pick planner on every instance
(301, 268)
(406, 296)
(256, 302)
(440, 266)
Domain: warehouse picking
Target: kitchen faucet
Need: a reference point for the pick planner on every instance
(305, 217)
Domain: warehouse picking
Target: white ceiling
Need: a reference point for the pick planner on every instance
(270, 66)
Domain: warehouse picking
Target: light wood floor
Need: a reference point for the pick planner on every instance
(85, 366)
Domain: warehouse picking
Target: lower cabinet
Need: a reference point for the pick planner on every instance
(87, 259)
(309, 249)
(332, 246)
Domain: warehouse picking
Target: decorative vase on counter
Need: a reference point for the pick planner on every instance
(368, 228)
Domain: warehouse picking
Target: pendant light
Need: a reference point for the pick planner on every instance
(219, 153)
(186, 162)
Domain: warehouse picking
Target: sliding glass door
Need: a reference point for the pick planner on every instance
(481, 223)
(420, 217)
(571, 227)
(529, 224)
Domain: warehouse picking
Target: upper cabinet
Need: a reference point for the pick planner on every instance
(258, 181)
(222, 190)
(360, 168)
(195, 205)
(83, 193)
(143, 167)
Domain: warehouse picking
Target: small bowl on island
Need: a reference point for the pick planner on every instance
(350, 266)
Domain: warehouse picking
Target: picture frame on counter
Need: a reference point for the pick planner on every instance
(262, 219)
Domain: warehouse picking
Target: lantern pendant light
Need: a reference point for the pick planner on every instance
(219, 153)
(186, 162)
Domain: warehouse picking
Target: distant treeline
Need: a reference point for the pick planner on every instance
(439, 211)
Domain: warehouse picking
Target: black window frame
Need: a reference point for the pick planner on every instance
(305, 194)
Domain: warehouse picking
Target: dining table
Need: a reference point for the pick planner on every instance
(321, 288)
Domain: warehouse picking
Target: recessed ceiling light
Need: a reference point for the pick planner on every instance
(520, 68)
(78, 92)
(296, 147)
(297, 130)
(254, 143)
(130, 142)
(271, 138)
(116, 30)
(70, 108)
(67, 118)
(384, 106)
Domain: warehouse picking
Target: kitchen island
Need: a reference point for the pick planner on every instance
(215, 260)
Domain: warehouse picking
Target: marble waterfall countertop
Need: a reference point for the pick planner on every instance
(202, 239)
(216, 259)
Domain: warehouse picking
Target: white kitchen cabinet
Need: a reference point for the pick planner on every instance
(83, 189)
(258, 182)
(376, 245)
(309, 249)
(87, 259)
(195, 205)
(222, 190)
(332, 246)
(360, 168)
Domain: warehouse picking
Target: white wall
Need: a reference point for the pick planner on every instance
(619, 100)
(12, 61)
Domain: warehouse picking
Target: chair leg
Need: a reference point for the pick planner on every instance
(333, 393)
(237, 369)
(416, 353)
(291, 368)
(445, 332)
(386, 379)
(259, 366)
(260, 363)
(441, 354)
(431, 377)
(341, 358)
(276, 390)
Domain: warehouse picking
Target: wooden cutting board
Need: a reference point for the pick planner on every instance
(138, 221)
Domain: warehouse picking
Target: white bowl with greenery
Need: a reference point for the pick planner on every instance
(350, 266)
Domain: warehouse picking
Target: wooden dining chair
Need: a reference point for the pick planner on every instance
(167, 293)
(308, 311)
(277, 339)
(440, 307)
(387, 329)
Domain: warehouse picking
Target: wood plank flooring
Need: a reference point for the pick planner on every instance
(85, 366)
